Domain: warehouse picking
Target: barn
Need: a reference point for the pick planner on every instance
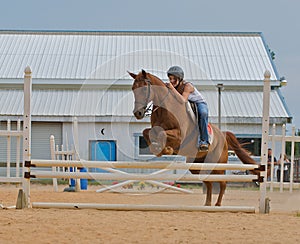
(83, 75)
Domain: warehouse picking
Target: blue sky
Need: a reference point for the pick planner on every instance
(278, 20)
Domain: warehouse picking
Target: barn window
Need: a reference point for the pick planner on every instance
(142, 150)
(143, 147)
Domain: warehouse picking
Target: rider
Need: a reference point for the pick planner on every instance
(190, 93)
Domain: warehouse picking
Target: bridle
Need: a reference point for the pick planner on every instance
(147, 107)
(145, 104)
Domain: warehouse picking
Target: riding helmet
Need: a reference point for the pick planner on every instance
(176, 71)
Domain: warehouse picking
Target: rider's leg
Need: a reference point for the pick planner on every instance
(202, 123)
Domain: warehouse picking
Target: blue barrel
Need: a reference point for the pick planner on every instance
(83, 182)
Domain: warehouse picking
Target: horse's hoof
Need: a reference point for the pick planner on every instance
(168, 150)
(155, 148)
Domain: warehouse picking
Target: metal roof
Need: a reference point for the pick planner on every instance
(108, 55)
(86, 59)
(64, 104)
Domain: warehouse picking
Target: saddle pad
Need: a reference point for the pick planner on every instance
(210, 134)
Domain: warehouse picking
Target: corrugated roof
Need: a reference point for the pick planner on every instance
(108, 55)
(119, 103)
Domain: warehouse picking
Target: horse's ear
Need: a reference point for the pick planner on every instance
(132, 75)
(144, 73)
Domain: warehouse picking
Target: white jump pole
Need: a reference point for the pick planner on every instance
(166, 186)
(142, 177)
(27, 131)
(264, 143)
(141, 165)
(144, 207)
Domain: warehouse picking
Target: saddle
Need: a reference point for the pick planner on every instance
(193, 106)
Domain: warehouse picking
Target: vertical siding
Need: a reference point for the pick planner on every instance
(243, 104)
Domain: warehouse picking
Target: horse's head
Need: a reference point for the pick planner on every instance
(141, 88)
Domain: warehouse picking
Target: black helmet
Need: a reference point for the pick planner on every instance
(176, 71)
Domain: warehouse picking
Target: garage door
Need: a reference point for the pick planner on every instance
(40, 141)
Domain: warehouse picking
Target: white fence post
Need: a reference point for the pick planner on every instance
(54, 169)
(27, 132)
(76, 144)
(292, 159)
(282, 157)
(18, 149)
(264, 144)
(272, 160)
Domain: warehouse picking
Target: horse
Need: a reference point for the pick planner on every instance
(174, 129)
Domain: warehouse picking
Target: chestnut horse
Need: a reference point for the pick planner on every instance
(174, 129)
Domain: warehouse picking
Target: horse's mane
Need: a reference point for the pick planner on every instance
(161, 83)
(157, 78)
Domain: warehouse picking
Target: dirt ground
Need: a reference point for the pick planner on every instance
(281, 225)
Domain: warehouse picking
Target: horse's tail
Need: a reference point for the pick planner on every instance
(242, 153)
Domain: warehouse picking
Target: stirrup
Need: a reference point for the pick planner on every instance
(203, 147)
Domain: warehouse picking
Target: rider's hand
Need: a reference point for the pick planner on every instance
(168, 85)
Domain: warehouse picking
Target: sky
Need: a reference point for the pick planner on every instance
(278, 20)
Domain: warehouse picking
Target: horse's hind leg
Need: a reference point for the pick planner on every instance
(209, 186)
(221, 193)
(208, 192)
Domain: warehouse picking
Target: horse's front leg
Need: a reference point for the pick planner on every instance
(162, 142)
(151, 136)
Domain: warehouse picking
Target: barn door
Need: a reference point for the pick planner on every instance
(102, 151)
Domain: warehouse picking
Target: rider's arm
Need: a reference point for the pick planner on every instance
(184, 96)
(188, 89)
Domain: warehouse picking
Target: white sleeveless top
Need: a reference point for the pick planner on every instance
(196, 96)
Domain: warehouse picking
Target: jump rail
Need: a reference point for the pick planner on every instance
(144, 207)
(141, 177)
(160, 175)
(148, 165)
